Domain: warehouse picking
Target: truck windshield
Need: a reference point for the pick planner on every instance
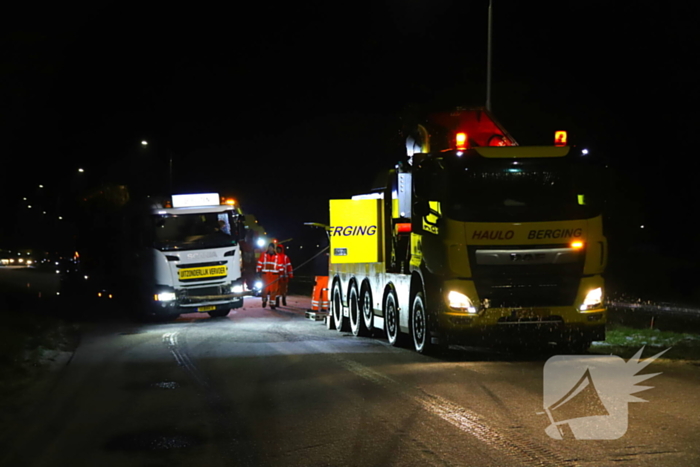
(526, 190)
(193, 231)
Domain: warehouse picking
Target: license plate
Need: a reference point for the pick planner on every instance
(202, 273)
(202, 309)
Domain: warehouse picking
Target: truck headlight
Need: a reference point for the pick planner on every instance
(459, 301)
(165, 297)
(258, 285)
(237, 288)
(594, 299)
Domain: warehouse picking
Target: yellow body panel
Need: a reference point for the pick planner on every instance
(355, 231)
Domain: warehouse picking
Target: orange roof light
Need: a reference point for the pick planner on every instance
(230, 201)
(560, 138)
(461, 141)
(577, 245)
(404, 227)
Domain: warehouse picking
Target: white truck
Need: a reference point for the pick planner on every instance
(196, 256)
(163, 257)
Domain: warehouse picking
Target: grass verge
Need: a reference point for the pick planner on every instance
(626, 341)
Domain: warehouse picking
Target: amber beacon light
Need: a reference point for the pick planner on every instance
(560, 138)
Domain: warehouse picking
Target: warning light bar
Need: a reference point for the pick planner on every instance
(461, 141)
(560, 138)
(198, 199)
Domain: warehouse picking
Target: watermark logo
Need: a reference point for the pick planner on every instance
(586, 396)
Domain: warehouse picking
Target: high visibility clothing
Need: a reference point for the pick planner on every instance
(319, 297)
(286, 272)
(269, 263)
(271, 272)
(285, 263)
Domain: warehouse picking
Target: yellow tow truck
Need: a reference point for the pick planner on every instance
(473, 239)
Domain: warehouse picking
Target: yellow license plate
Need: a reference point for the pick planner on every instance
(202, 309)
(202, 273)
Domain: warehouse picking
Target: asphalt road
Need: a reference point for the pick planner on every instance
(263, 387)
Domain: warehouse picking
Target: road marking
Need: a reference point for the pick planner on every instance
(182, 359)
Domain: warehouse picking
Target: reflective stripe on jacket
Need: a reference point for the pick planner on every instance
(269, 263)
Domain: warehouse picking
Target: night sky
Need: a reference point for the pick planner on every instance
(285, 106)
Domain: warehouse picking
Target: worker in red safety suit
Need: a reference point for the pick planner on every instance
(270, 272)
(286, 274)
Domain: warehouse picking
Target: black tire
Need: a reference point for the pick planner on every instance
(391, 319)
(337, 310)
(367, 311)
(357, 324)
(354, 312)
(330, 322)
(219, 313)
(420, 325)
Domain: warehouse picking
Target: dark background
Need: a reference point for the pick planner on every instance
(285, 106)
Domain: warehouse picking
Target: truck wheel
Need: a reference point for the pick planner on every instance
(356, 320)
(330, 322)
(420, 331)
(218, 313)
(337, 304)
(367, 312)
(391, 319)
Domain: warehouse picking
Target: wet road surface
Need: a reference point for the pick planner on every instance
(264, 387)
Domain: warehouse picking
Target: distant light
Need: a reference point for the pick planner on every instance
(261, 242)
(144, 143)
(641, 226)
(29, 206)
(459, 153)
(584, 151)
(81, 170)
(60, 218)
(41, 186)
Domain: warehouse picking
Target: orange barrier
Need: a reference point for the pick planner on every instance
(319, 298)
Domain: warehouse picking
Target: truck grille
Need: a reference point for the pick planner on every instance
(521, 286)
(201, 294)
